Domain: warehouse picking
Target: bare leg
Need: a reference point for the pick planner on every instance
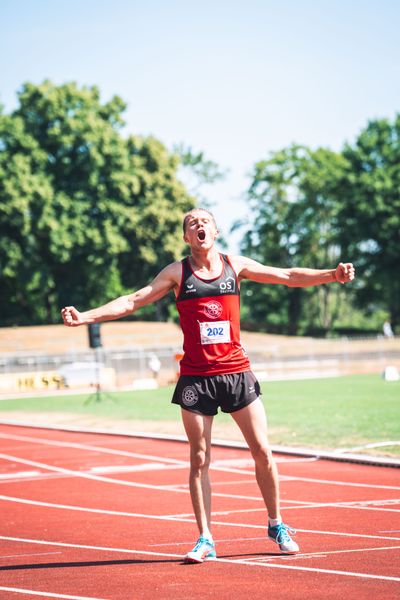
(253, 424)
(198, 429)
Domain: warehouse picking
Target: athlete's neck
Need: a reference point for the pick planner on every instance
(206, 262)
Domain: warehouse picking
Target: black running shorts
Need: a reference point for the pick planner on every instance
(204, 394)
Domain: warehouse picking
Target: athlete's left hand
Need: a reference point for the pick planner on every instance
(345, 272)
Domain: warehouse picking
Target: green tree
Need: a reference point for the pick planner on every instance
(197, 171)
(85, 213)
(294, 221)
(372, 214)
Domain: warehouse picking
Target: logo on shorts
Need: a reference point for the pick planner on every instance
(213, 309)
(189, 396)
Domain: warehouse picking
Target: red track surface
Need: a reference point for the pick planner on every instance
(105, 516)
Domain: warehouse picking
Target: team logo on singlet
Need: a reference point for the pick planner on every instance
(213, 309)
(227, 286)
(189, 395)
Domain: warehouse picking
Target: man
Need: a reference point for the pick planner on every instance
(215, 370)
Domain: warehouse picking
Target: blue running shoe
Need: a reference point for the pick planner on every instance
(280, 534)
(203, 550)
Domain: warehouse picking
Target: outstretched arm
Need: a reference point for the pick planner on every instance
(165, 281)
(247, 268)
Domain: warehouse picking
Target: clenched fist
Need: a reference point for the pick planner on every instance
(72, 317)
(345, 272)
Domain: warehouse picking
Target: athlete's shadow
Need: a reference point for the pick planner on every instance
(90, 563)
(130, 561)
(238, 557)
(257, 555)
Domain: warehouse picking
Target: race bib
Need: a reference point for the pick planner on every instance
(215, 332)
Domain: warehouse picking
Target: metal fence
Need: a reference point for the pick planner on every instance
(129, 364)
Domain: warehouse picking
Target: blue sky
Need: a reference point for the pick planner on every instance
(236, 79)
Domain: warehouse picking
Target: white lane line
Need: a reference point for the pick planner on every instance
(378, 503)
(390, 531)
(335, 482)
(249, 462)
(45, 594)
(322, 553)
(375, 508)
(82, 474)
(369, 504)
(219, 513)
(294, 478)
(134, 468)
(92, 448)
(217, 541)
(313, 531)
(39, 477)
(237, 463)
(176, 489)
(183, 488)
(101, 511)
(298, 503)
(232, 470)
(178, 518)
(85, 475)
(311, 569)
(87, 547)
(285, 557)
(346, 534)
(133, 484)
(282, 459)
(30, 554)
(18, 475)
(224, 560)
(97, 469)
(234, 482)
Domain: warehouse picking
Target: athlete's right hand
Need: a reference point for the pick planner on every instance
(72, 317)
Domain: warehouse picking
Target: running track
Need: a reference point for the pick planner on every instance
(87, 515)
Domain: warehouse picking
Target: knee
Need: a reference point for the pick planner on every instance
(199, 461)
(263, 456)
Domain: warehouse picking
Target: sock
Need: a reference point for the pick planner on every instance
(207, 534)
(274, 522)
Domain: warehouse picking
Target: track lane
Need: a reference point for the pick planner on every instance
(327, 554)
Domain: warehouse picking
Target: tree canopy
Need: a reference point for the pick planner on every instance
(314, 208)
(371, 212)
(86, 214)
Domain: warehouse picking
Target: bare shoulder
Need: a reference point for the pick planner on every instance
(240, 264)
(171, 273)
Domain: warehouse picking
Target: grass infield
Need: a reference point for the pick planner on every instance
(343, 412)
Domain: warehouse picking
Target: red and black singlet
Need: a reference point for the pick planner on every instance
(209, 311)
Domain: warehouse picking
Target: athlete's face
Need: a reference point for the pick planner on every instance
(200, 230)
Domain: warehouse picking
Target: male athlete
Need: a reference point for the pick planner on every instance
(215, 370)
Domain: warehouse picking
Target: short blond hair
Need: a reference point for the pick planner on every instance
(190, 212)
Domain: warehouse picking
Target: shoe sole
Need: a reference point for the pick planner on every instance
(284, 551)
(197, 561)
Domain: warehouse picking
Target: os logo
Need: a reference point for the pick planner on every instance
(213, 309)
(228, 285)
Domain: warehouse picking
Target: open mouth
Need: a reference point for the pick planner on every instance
(201, 235)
